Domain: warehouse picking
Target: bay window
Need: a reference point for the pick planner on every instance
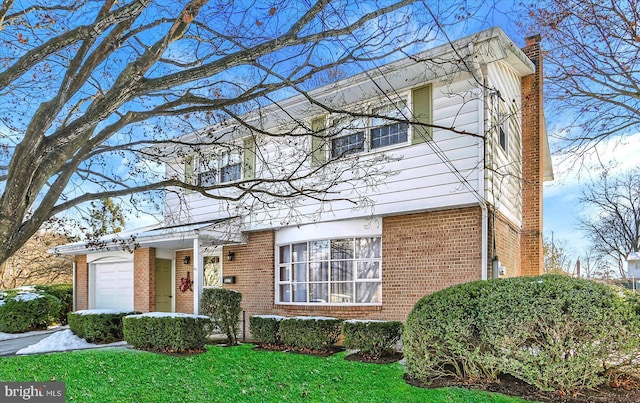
(330, 271)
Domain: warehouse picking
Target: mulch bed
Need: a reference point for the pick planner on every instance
(384, 359)
(306, 351)
(627, 392)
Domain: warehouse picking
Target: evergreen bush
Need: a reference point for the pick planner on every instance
(372, 337)
(98, 325)
(222, 306)
(315, 333)
(552, 331)
(266, 328)
(166, 332)
(26, 309)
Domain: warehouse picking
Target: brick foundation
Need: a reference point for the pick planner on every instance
(82, 283)
(144, 279)
(184, 300)
(422, 253)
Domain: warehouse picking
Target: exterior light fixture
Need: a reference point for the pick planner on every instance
(187, 259)
(230, 256)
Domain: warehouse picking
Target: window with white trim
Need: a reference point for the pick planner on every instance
(353, 135)
(345, 271)
(222, 167)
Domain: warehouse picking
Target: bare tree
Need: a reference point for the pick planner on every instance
(612, 218)
(557, 258)
(32, 265)
(93, 93)
(592, 67)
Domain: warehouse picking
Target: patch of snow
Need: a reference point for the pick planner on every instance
(364, 321)
(102, 311)
(3, 294)
(167, 315)
(27, 296)
(28, 288)
(313, 318)
(276, 317)
(9, 336)
(1, 302)
(63, 340)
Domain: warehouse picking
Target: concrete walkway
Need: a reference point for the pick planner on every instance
(15, 342)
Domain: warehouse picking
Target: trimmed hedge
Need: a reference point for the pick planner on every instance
(371, 337)
(64, 292)
(166, 332)
(98, 325)
(552, 331)
(25, 309)
(316, 333)
(223, 307)
(266, 328)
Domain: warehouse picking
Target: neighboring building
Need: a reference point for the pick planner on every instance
(633, 265)
(455, 203)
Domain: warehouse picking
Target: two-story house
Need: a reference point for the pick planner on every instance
(457, 196)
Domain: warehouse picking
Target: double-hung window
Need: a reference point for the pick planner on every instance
(348, 137)
(221, 167)
(385, 132)
(330, 271)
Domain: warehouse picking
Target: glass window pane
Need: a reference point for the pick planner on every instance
(230, 173)
(299, 272)
(212, 271)
(368, 270)
(285, 273)
(368, 248)
(342, 293)
(300, 292)
(285, 293)
(342, 271)
(208, 178)
(319, 250)
(319, 271)
(319, 293)
(368, 293)
(284, 254)
(300, 252)
(342, 249)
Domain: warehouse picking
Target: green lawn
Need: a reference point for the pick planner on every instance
(225, 375)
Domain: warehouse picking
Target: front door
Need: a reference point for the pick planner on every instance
(163, 285)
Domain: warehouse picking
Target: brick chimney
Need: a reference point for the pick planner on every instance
(531, 254)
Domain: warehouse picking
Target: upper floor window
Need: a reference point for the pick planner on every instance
(386, 132)
(348, 137)
(219, 168)
(330, 271)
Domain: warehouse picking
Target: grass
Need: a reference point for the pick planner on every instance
(237, 374)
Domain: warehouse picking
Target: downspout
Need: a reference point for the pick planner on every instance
(480, 80)
(197, 275)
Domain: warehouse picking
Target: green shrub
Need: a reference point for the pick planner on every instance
(98, 325)
(266, 328)
(371, 337)
(314, 333)
(64, 292)
(25, 309)
(167, 332)
(553, 332)
(223, 307)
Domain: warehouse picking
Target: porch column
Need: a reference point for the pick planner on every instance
(197, 275)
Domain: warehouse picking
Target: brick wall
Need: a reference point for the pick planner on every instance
(253, 266)
(184, 300)
(507, 238)
(422, 253)
(532, 163)
(144, 279)
(426, 252)
(82, 283)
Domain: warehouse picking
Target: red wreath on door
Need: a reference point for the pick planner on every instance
(185, 283)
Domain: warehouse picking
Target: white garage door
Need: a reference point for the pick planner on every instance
(114, 285)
